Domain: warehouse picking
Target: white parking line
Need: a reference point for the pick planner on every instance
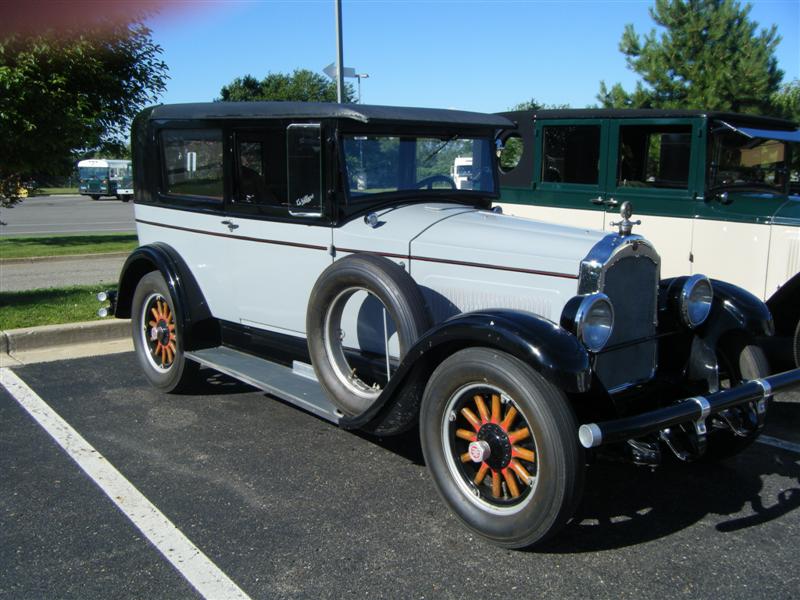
(187, 558)
(779, 443)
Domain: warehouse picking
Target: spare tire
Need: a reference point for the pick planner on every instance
(380, 279)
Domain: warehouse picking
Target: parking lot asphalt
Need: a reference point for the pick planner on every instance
(289, 506)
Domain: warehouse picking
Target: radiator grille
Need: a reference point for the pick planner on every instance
(631, 284)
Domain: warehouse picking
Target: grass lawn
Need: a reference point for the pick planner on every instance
(61, 245)
(49, 306)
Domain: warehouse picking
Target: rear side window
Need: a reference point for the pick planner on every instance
(193, 162)
(571, 154)
(654, 156)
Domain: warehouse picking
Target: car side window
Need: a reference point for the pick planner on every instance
(304, 162)
(261, 169)
(192, 163)
(654, 156)
(571, 154)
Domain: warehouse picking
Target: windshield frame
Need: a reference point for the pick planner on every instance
(462, 196)
(715, 130)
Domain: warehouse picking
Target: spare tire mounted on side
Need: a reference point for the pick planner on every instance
(402, 302)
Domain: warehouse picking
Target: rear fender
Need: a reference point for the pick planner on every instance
(192, 312)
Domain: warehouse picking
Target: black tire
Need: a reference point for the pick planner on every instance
(389, 283)
(546, 500)
(160, 352)
(95, 196)
(738, 362)
(125, 197)
(796, 345)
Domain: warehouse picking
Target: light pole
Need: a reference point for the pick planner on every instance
(361, 76)
(339, 52)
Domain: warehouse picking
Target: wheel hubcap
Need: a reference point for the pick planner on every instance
(159, 332)
(490, 448)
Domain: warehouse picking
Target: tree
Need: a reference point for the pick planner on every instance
(302, 85)
(787, 101)
(709, 55)
(64, 95)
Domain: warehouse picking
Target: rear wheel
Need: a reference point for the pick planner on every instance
(157, 336)
(501, 444)
(95, 196)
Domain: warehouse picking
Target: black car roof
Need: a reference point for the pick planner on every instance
(362, 113)
(645, 113)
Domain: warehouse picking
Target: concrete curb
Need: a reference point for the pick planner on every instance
(27, 339)
(66, 257)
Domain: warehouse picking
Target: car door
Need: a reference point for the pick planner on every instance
(733, 229)
(280, 239)
(653, 163)
(569, 181)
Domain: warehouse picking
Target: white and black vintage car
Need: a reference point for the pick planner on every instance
(325, 254)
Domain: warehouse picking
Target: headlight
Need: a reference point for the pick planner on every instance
(695, 300)
(591, 318)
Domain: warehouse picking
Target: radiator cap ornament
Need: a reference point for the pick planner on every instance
(626, 225)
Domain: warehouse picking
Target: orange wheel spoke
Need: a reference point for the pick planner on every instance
(171, 346)
(171, 326)
(466, 435)
(465, 458)
(511, 483)
(523, 453)
(152, 323)
(470, 416)
(509, 418)
(155, 313)
(521, 472)
(495, 408)
(481, 474)
(163, 355)
(172, 337)
(496, 489)
(482, 410)
(170, 355)
(519, 435)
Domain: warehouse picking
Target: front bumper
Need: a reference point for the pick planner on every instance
(695, 410)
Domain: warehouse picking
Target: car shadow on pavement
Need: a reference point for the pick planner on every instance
(624, 505)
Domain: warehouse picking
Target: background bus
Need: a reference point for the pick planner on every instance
(105, 177)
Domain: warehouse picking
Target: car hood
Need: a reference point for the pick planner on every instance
(490, 239)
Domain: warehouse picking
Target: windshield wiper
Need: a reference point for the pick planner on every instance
(439, 148)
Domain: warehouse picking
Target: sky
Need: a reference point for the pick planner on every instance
(471, 55)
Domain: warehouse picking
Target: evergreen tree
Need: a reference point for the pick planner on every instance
(709, 55)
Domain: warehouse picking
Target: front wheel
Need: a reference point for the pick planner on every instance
(501, 444)
(738, 362)
(157, 336)
(95, 196)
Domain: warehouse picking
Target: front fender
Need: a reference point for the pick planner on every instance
(190, 306)
(555, 353)
(735, 309)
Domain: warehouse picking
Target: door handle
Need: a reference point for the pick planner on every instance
(611, 202)
(598, 200)
(231, 225)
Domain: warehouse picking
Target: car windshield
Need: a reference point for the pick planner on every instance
(737, 160)
(383, 164)
(93, 172)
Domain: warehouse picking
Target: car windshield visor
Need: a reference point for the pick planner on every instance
(386, 164)
(784, 135)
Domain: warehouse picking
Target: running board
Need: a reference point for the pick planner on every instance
(294, 386)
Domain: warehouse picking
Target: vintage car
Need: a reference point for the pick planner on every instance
(715, 192)
(324, 254)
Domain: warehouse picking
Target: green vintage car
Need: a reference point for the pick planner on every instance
(717, 193)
